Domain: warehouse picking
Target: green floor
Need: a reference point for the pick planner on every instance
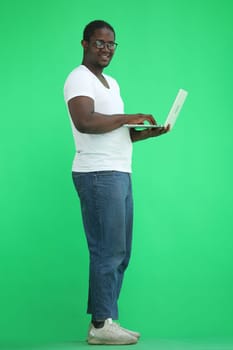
(143, 344)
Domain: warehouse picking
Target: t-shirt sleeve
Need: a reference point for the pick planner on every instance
(78, 84)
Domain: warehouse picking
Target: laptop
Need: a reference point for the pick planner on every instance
(172, 115)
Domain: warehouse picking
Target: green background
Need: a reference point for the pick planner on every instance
(180, 281)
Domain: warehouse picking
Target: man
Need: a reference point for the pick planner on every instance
(101, 174)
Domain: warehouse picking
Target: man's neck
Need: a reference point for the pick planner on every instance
(95, 70)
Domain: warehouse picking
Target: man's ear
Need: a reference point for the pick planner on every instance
(84, 44)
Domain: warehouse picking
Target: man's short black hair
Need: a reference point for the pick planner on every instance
(92, 26)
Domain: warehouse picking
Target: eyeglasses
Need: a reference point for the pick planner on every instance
(101, 44)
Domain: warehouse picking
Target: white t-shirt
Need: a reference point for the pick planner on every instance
(97, 152)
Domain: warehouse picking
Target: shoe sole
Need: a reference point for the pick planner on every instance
(110, 342)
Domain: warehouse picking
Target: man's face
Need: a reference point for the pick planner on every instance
(99, 57)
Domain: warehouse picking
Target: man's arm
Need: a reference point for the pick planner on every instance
(86, 120)
(145, 134)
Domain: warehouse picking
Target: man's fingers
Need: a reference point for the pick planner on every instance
(148, 117)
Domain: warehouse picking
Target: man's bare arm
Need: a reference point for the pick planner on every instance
(86, 120)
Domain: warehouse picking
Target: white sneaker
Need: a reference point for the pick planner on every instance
(110, 334)
(133, 333)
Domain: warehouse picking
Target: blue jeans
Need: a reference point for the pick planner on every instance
(107, 212)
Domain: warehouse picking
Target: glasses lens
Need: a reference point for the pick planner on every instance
(99, 44)
(111, 46)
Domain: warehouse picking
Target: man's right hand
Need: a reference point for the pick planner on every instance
(140, 119)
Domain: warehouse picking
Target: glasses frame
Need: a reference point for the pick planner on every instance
(101, 44)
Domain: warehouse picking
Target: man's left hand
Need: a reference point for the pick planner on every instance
(154, 132)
